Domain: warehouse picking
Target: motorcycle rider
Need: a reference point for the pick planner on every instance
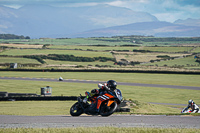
(103, 88)
(193, 106)
(60, 78)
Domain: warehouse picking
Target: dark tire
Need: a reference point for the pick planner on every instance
(76, 110)
(106, 111)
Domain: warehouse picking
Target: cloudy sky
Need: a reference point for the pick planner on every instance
(164, 10)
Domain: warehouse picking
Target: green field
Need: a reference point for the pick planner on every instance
(166, 79)
(197, 50)
(172, 43)
(18, 60)
(146, 41)
(120, 49)
(44, 108)
(144, 57)
(99, 48)
(168, 49)
(35, 108)
(45, 52)
(73, 41)
(188, 61)
(143, 95)
(21, 46)
(69, 63)
(99, 130)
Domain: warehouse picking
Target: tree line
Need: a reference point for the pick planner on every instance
(140, 39)
(63, 57)
(12, 36)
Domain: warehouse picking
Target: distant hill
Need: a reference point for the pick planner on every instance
(158, 29)
(45, 21)
(188, 22)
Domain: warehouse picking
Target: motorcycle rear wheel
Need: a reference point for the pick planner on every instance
(106, 111)
(76, 110)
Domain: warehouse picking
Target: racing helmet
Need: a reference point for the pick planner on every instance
(190, 101)
(112, 84)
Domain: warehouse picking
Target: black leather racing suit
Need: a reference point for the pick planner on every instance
(194, 107)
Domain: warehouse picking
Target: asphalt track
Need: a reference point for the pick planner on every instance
(96, 82)
(153, 121)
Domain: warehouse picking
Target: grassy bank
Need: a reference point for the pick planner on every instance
(35, 108)
(99, 130)
(165, 79)
(143, 95)
(41, 108)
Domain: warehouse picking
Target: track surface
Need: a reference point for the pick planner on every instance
(96, 82)
(7, 121)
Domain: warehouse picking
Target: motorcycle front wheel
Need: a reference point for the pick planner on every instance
(106, 111)
(76, 110)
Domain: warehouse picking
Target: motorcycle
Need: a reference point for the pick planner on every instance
(106, 104)
(186, 110)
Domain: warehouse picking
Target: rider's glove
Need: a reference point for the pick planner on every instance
(106, 87)
(100, 85)
(85, 100)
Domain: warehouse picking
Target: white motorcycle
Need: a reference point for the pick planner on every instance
(187, 110)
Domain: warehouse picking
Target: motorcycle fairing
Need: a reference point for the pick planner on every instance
(103, 98)
(110, 102)
(92, 99)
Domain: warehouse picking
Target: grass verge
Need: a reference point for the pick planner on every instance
(42, 108)
(99, 130)
(146, 78)
(141, 94)
(35, 108)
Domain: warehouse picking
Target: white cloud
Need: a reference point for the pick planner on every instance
(74, 4)
(175, 11)
(169, 17)
(164, 10)
(14, 6)
(136, 5)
